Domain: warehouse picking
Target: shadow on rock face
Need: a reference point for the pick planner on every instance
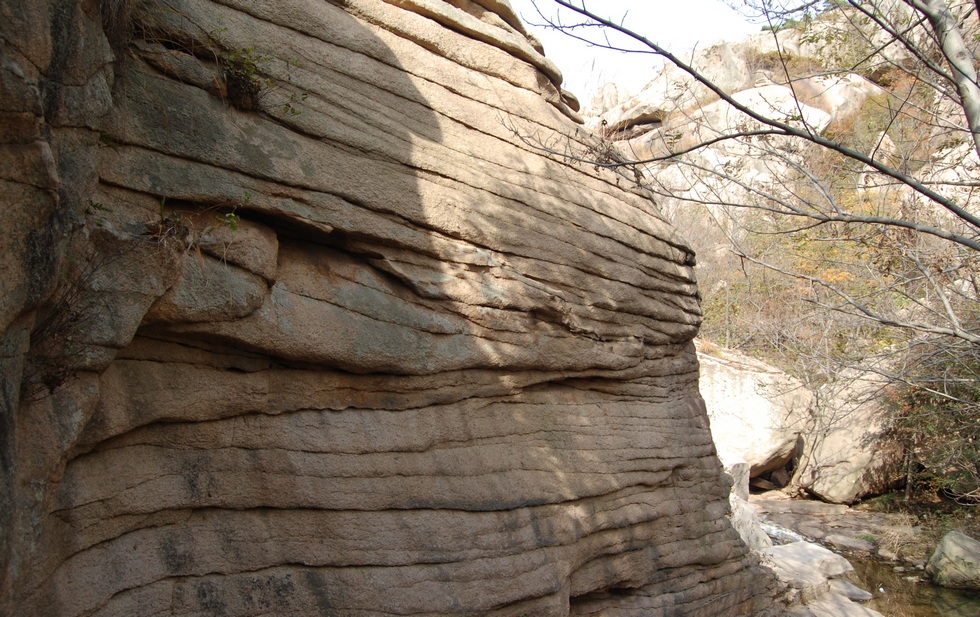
(391, 361)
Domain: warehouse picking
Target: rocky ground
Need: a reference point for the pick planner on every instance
(888, 550)
(852, 532)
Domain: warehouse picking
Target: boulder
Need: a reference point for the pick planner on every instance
(812, 575)
(745, 519)
(956, 562)
(846, 455)
(343, 342)
(757, 412)
(805, 558)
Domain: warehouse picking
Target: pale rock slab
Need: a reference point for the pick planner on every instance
(811, 574)
(746, 521)
(757, 412)
(847, 454)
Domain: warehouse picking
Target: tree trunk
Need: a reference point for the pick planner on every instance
(960, 59)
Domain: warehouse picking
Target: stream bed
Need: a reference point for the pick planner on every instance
(861, 537)
(907, 598)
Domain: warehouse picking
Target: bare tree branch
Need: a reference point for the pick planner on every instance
(866, 310)
(784, 127)
(959, 57)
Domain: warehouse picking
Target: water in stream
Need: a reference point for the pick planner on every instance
(904, 598)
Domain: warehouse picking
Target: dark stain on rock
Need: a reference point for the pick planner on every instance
(318, 586)
(268, 592)
(210, 598)
(175, 554)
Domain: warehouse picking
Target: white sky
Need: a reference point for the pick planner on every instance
(677, 25)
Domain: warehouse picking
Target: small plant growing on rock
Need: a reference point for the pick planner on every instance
(56, 350)
(229, 220)
(170, 226)
(869, 537)
(179, 224)
(246, 87)
(244, 83)
(191, 228)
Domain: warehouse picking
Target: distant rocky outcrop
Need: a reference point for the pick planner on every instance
(674, 112)
(294, 324)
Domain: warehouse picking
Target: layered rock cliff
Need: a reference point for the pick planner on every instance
(294, 323)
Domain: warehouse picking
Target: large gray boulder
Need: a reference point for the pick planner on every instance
(956, 562)
(329, 338)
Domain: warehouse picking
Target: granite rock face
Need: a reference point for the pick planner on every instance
(848, 454)
(294, 323)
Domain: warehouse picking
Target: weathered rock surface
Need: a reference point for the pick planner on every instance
(812, 575)
(328, 338)
(765, 418)
(809, 565)
(896, 583)
(956, 562)
(846, 452)
(757, 412)
(744, 516)
(845, 529)
(745, 519)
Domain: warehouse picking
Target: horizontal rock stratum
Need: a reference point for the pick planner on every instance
(299, 319)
